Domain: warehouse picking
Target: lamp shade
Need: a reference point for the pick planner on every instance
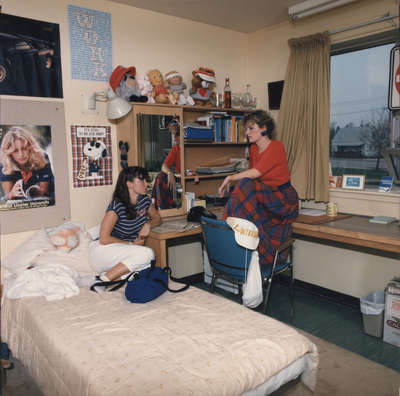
(117, 107)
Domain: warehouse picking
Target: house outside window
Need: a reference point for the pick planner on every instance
(360, 123)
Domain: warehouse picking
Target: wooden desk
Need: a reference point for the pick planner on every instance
(170, 229)
(356, 230)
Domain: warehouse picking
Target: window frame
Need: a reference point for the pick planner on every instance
(370, 41)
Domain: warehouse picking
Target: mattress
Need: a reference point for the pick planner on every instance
(190, 343)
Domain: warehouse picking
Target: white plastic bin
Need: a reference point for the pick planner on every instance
(372, 308)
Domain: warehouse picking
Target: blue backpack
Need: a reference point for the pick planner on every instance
(143, 286)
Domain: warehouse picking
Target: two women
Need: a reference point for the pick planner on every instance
(263, 194)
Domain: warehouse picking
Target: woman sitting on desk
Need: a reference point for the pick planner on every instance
(125, 227)
(164, 189)
(264, 194)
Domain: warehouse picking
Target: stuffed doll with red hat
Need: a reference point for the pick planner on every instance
(123, 82)
(203, 83)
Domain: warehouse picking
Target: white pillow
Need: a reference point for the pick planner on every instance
(25, 254)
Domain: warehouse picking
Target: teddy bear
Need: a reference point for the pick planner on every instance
(203, 82)
(176, 87)
(160, 92)
(124, 84)
(65, 238)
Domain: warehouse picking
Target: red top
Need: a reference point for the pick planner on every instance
(174, 158)
(271, 163)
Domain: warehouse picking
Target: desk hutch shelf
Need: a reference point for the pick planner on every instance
(194, 154)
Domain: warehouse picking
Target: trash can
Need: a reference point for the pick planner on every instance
(372, 309)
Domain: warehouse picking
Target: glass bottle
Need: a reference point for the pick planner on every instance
(247, 99)
(227, 94)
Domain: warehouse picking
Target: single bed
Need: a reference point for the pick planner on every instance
(190, 343)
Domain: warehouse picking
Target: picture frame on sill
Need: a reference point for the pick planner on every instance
(353, 182)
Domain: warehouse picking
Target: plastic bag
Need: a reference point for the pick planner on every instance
(373, 303)
(252, 289)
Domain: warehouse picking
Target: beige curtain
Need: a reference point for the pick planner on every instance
(303, 124)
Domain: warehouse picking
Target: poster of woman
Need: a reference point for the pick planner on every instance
(26, 175)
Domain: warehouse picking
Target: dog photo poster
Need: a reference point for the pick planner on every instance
(91, 155)
(26, 170)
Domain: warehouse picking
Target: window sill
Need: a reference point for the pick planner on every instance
(367, 202)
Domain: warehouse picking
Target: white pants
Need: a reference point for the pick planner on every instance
(134, 257)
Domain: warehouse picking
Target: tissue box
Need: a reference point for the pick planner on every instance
(391, 329)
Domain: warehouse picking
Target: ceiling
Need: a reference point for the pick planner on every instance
(240, 15)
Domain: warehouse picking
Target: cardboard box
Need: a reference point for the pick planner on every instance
(391, 329)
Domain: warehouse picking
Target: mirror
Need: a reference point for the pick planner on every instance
(159, 138)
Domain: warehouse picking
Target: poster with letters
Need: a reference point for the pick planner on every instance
(91, 155)
(91, 43)
(26, 167)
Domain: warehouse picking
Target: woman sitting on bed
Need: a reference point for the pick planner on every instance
(125, 226)
(264, 194)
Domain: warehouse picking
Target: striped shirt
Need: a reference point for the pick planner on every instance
(126, 229)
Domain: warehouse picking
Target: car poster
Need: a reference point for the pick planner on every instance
(30, 61)
(26, 167)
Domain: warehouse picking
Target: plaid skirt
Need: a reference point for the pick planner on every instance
(271, 209)
(163, 196)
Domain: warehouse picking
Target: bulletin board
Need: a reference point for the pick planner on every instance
(51, 114)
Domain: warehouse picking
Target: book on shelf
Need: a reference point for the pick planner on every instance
(229, 129)
(382, 219)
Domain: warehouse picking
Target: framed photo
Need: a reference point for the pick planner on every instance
(353, 182)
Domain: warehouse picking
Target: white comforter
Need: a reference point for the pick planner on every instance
(190, 343)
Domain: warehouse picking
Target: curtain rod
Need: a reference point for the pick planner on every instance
(381, 19)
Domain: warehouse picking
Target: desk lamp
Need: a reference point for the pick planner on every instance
(117, 107)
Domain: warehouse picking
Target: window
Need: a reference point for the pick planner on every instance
(360, 123)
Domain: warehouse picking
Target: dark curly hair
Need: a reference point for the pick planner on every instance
(262, 119)
(121, 192)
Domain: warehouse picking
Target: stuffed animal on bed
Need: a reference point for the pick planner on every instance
(123, 82)
(65, 238)
(160, 92)
(203, 83)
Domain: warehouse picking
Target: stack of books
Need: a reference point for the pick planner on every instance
(195, 132)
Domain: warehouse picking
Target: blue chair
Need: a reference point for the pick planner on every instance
(229, 261)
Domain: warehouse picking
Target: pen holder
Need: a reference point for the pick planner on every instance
(331, 209)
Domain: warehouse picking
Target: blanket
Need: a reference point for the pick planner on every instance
(189, 343)
(272, 209)
(53, 281)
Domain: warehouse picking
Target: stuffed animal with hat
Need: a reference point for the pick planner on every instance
(203, 83)
(176, 87)
(124, 84)
(160, 92)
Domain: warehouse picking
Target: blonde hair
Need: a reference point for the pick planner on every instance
(36, 161)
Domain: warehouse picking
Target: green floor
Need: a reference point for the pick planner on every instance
(334, 322)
